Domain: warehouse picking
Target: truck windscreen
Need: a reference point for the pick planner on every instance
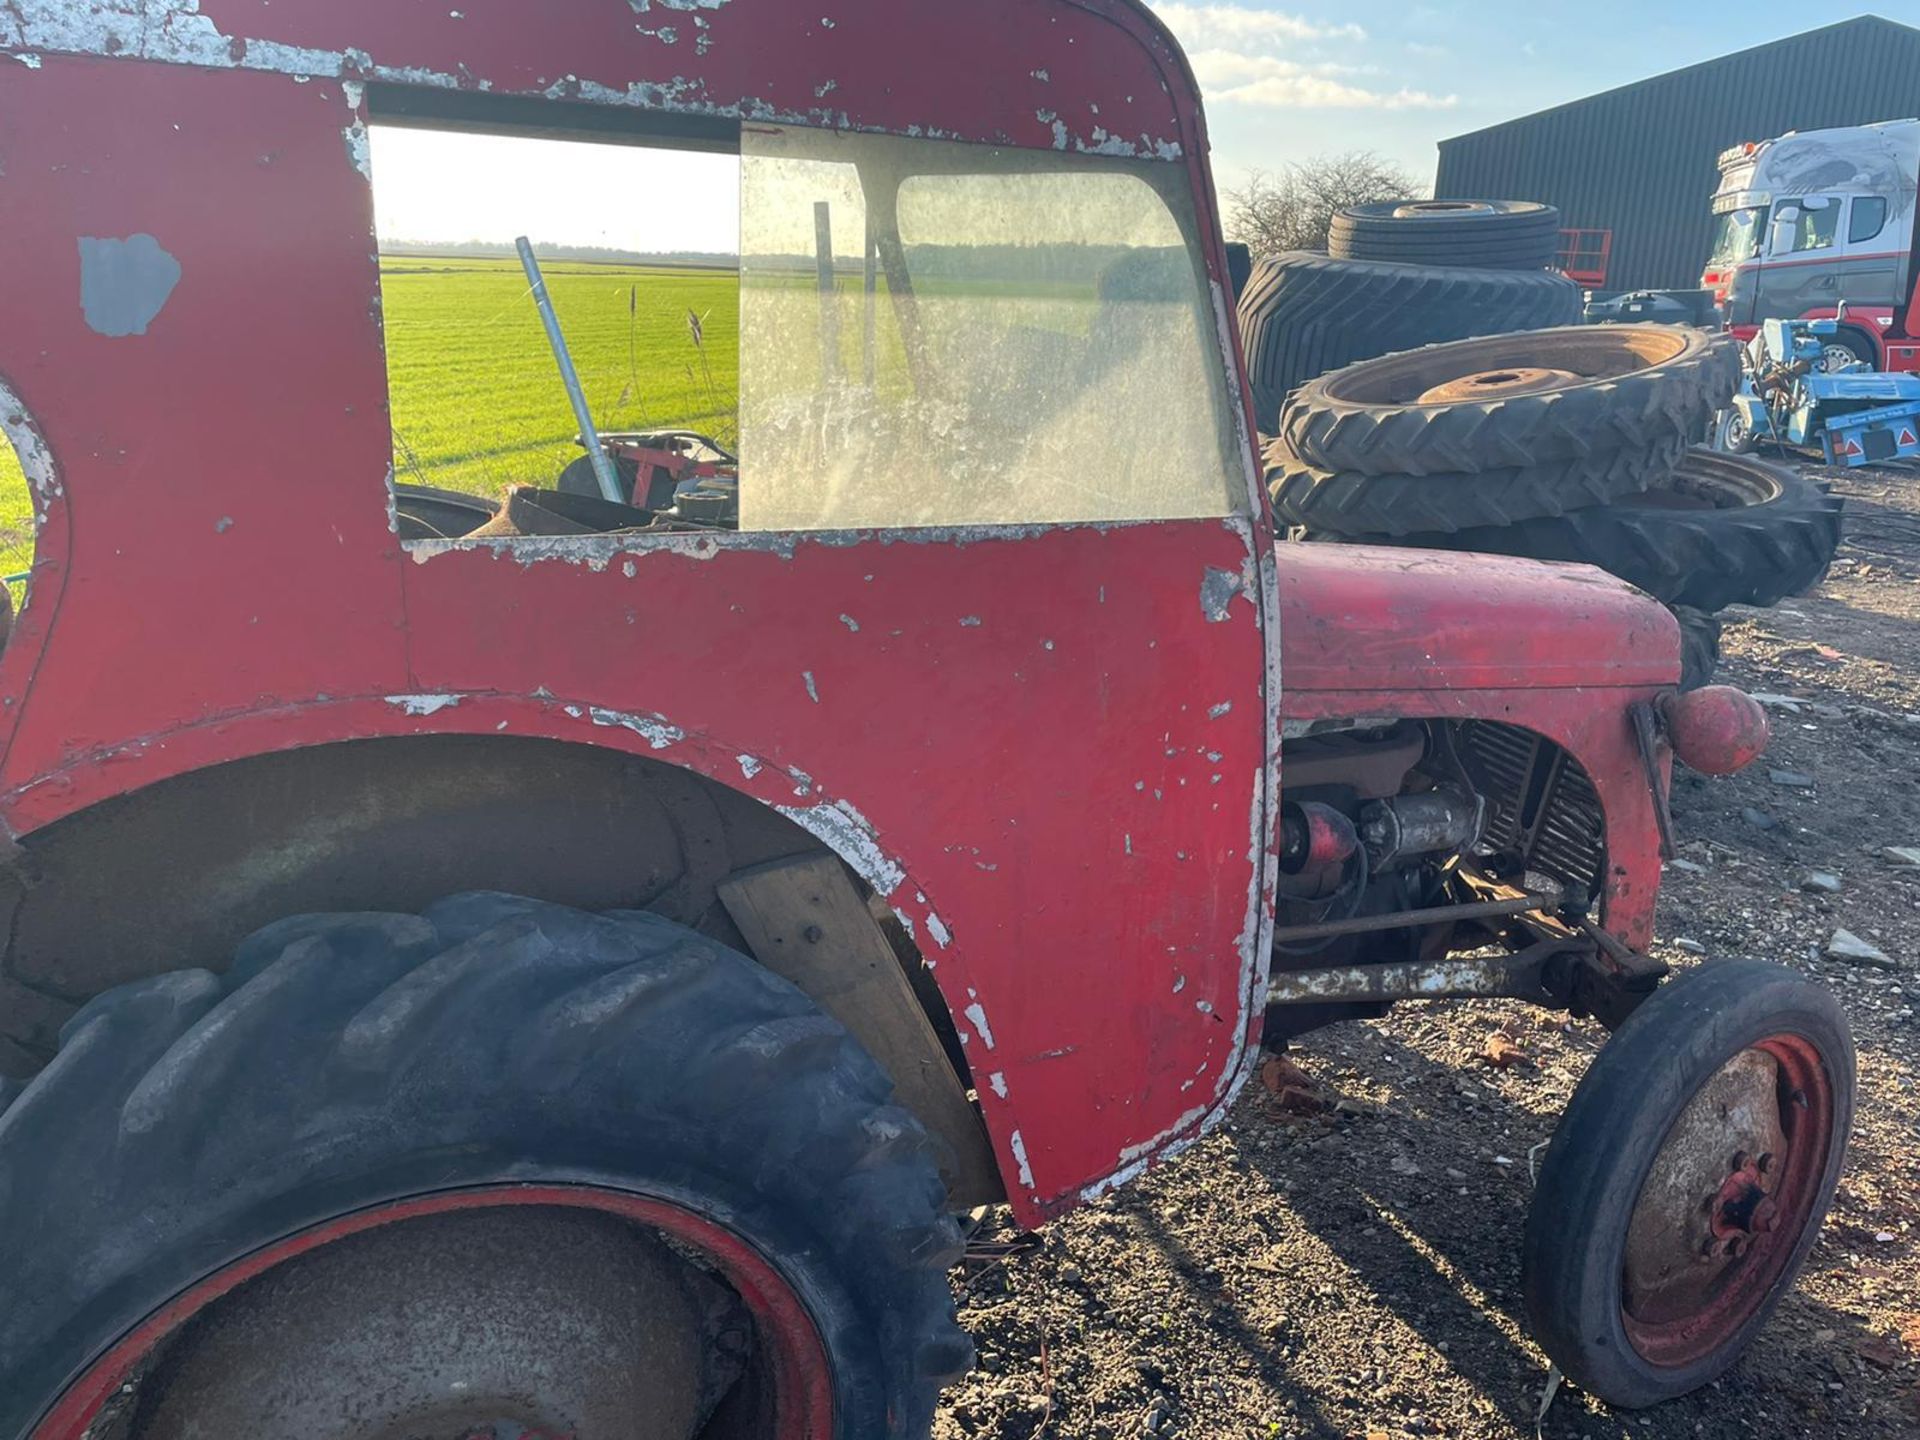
(1736, 235)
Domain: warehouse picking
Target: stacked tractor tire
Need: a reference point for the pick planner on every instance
(1571, 443)
(1397, 276)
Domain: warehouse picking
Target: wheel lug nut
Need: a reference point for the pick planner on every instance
(1766, 1162)
(1739, 1161)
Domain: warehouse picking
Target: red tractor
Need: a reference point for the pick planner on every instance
(511, 983)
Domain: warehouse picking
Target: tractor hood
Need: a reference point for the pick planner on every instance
(1359, 618)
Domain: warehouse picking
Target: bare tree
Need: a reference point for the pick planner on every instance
(1292, 209)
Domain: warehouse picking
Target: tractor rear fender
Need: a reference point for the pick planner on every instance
(174, 874)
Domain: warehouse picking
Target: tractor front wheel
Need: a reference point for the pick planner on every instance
(1687, 1181)
(503, 1169)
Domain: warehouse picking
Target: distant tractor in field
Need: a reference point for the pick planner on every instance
(556, 968)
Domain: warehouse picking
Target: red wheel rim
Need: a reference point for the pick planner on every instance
(1763, 1212)
(802, 1380)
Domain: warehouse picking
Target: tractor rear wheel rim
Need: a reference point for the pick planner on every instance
(1500, 385)
(787, 1394)
(1727, 1202)
(1586, 354)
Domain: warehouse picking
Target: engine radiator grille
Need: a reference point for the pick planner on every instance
(1541, 805)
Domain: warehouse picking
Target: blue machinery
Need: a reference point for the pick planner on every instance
(1856, 416)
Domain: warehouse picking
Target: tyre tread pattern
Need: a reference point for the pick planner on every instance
(1393, 509)
(183, 1111)
(1705, 560)
(1304, 314)
(1677, 399)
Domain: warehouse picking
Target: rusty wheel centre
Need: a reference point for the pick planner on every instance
(1727, 1201)
(1499, 385)
(510, 1313)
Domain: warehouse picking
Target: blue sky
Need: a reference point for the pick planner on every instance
(1283, 81)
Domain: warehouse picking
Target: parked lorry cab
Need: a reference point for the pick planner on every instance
(481, 979)
(1821, 224)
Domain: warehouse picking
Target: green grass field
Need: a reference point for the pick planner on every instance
(477, 403)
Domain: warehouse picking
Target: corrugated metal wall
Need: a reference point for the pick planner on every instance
(1640, 160)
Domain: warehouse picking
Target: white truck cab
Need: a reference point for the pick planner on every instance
(1820, 224)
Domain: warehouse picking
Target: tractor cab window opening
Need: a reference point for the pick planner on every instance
(937, 334)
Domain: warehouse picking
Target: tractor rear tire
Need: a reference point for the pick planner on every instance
(1303, 314)
(1478, 234)
(1427, 510)
(491, 1049)
(1720, 530)
(1504, 400)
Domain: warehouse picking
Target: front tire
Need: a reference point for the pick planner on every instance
(1688, 1180)
(351, 1070)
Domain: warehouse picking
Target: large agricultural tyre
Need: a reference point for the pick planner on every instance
(500, 1168)
(1417, 509)
(1699, 646)
(1475, 234)
(1687, 1180)
(1720, 530)
(1499, 401)
(1303, 314)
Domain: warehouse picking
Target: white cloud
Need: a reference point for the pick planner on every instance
(1231, 78)
(1201, 26)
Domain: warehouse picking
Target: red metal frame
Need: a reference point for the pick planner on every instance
(802, 1378)
(1054, 751)
(1088, 771)
(1585, 257)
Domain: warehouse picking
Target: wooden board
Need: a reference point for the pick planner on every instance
(804, 920)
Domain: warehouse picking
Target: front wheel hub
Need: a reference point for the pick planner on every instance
(1726, 1202)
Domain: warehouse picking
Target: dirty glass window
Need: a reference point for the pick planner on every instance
(1868, 220)
(942, 334)
(1815, 229)
(1736, 235)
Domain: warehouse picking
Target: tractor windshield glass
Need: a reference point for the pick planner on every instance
(943, 334)
(1736, 235)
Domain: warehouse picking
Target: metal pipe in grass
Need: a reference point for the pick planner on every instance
(603, 469)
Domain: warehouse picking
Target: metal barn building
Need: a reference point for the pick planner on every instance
(1640, 161)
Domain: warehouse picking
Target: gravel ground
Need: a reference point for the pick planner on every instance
(1357, 1275)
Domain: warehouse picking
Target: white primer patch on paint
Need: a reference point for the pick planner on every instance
(750, 765)
(1019, 1147)
(423, 705)
(977, 1013)
(850, 835)
(997, 1083)
(937, 928)
(656, 732)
